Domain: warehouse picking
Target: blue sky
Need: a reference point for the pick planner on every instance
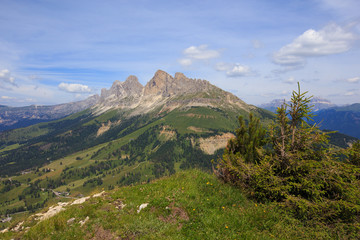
(60, 51)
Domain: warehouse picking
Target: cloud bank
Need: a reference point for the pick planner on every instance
(332, 39)
(74, 88)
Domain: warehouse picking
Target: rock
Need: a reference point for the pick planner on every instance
(211, 144)
(142, 206)
(99, 194)
(70, 221)
(84, 221)
(52, 211)
(80, 200)
(18, 227)
(119, 204)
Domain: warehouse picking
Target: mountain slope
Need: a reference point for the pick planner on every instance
(343, 119)
(188, 205)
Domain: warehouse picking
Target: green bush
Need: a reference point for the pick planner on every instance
(292, 166)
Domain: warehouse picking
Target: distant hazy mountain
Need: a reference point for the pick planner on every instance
(16, 117)
(316, 102)
(344, 119)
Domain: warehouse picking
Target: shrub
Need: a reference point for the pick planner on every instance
(295, 169)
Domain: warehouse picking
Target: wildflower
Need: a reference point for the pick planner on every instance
(226, 227)
(223, 207)
(255, 205)
(193, 209)
(207, 183)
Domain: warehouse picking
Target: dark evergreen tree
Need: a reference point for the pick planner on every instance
(249, 140)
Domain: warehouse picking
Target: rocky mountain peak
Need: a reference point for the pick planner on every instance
(133, 86)
(166, 91)
(180, 76)
(159, 84)
(133, 80)
(164, 84)
(162, 75)
(119, 90)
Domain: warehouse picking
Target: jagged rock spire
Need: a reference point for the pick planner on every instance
(159, 84)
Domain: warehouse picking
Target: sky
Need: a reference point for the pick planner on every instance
(54, 52)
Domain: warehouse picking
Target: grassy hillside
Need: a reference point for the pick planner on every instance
(188, 205)
(25, 148)
(74, 158)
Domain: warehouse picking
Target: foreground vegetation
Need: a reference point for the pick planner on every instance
(293, 167)
(187, 205)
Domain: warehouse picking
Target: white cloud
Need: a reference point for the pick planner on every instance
(353, 80)
(233, 69)
(198, 53)
(201, 52)
(238, 71)
(74, 88)
(5, 76)
(332, 39)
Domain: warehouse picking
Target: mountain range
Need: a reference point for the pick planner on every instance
(167, 93)
(328, 116)
(317, 103)
(170, 106)
(17, 117)
(162, 90)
